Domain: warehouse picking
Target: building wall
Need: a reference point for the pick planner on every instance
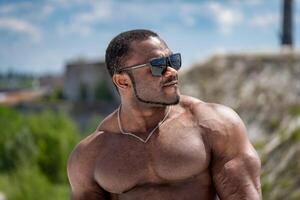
(83, 78)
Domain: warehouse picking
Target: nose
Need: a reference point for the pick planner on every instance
(170, 72)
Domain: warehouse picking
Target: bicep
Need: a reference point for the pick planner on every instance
(238, 177)
(235, 164)
(83, 188)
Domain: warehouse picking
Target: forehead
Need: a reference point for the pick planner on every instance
(142, 51)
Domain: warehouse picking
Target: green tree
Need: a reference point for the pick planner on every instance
(102, 91)
(34, 149)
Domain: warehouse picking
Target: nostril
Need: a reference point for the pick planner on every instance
(169, 71)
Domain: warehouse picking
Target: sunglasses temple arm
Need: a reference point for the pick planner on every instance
(134, 67)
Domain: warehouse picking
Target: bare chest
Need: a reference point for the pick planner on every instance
(173, 154)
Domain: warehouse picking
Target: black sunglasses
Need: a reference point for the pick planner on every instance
(159, 65)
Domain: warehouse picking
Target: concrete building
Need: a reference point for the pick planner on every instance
(88, 82)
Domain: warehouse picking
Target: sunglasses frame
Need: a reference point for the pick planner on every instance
(167, 63)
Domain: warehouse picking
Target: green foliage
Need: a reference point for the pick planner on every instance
(13, 80)
(29, 183)
(55, 96)
(55, 137)
(281, 163)
(93, 124)
(34, 149)
(11, 127)
(295, 110)
(103, 92)
(265, 187)
(274, 123)
(259, 144)
(296, 135)
(26, 183)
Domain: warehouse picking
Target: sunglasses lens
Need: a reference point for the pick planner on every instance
(157, 71)
(159, 62)
(175, 60)
(158, 66)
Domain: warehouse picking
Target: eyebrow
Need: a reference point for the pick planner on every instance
(171, 52)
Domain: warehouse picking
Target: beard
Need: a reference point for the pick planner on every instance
(159, 103)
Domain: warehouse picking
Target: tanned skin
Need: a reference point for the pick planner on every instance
(201, 151)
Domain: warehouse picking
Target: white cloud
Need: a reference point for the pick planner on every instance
(27, 10)
(99, 12)
(21, 27)
(6, 9)
(61, 3)
(226, 18)
(73, 28)
(188, 12)
(70, 3)
(248, 2)
(82, 23)
(15, 7)
(47, 10)
(265, 21)
(189, 21)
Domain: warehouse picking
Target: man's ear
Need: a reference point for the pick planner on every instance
(122, 81)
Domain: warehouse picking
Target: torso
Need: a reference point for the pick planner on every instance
(173, 164)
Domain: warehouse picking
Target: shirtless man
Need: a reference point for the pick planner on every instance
(160, 145)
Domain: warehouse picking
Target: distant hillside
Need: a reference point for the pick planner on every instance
(263, 88)
(281, 162)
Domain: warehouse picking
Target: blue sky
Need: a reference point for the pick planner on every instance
(41, 36)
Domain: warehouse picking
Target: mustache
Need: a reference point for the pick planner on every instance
(170, 79)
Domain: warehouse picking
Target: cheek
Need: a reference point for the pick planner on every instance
(145, 81)
(149, 84)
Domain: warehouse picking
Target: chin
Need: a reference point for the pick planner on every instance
(173, 100)
(175, 97)
(164, 99)
(176, 101)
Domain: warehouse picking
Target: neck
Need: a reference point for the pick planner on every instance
(141, 118)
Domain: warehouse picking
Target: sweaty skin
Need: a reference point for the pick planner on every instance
(200, 151)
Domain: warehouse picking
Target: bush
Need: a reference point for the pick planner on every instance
(55, 135)
(34, 149)
(29, 183)
(103, 92)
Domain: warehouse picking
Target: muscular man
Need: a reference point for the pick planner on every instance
(160, 145)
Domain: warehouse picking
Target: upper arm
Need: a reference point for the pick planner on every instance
(80, 174)
(235, 163)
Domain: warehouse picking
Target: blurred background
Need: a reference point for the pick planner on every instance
(54, 88)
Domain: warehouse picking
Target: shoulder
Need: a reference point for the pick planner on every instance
(109, 124)
(221, 125)
(211, 115)
(84, 151)
(89, 149)
(81, 163)
(87, 143)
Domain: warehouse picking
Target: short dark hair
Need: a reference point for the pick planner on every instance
(119, 47)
